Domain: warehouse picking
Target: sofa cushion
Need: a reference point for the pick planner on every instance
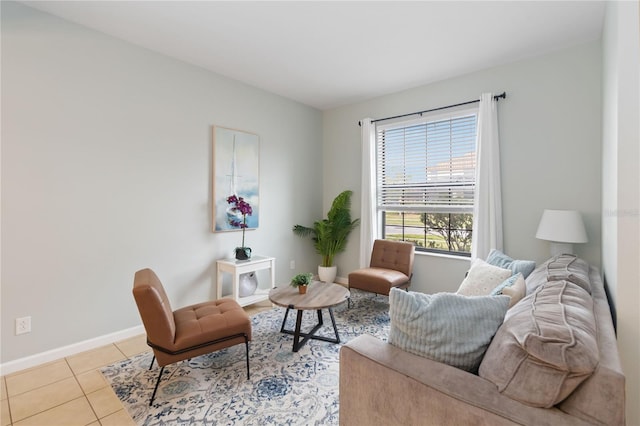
(498, 258)
(482, 278)
(445, 327)
(561, 267)
(514, 287)
(546, 346)
(571, 268)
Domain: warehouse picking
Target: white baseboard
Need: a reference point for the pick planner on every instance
(65, 351)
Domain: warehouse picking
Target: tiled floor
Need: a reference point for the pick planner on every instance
(71, 391)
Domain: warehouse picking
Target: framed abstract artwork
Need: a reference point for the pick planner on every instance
(236, 171)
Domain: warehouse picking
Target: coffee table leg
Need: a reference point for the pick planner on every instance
(296, 333)
(286, 314)
(335, 329)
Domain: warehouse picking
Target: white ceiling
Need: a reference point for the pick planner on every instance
(328, 53)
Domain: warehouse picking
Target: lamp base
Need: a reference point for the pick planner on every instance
(561, 248)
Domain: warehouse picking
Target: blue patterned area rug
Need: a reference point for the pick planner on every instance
(285, 388)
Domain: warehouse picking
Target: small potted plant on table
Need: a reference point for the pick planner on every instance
(302, 281)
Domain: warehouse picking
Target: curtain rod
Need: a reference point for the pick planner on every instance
(502, 95)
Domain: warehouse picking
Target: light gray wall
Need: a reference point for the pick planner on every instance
(621, 185)
(550, 129)
(106, 169)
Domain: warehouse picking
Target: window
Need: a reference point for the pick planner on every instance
(426, 181)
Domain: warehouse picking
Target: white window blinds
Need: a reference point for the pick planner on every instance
(427, 165)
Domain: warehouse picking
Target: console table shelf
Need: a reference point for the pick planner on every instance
(238, 267)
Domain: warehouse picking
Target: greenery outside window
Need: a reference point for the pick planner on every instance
(426, 181)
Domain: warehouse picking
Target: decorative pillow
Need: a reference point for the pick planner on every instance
(546, 347)
(498, 258)
(516, 292)
(571, 268)
(514, 287)
(445, 327)
(482, 278)
(506, 283)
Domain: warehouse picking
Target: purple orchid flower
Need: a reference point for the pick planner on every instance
(240, 205)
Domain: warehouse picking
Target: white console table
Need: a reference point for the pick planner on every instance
(238, 267)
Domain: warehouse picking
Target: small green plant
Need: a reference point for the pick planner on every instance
(301, 279)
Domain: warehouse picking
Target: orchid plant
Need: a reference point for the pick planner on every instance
(239, 206)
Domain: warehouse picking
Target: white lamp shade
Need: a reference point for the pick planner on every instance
(563, 226)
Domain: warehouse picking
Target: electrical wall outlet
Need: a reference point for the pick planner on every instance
(292, 264)
(23, 325)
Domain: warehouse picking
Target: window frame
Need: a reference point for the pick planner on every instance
(381, 209)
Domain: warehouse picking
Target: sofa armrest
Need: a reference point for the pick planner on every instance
(381, 384)
(601, 398)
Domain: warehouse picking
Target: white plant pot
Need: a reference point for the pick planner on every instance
(327, 274)
(248, 284)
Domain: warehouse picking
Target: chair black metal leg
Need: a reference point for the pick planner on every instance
(246, 344)
(152, 359)
(156, 388)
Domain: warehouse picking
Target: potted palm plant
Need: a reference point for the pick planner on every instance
(330, 235)
(302, 281)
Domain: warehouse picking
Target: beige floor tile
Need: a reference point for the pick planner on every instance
(3, 388)
(5, 416)
(37, 377)
(255, 309)
(250, 311)
(119, 418)
(29, 403)
(37, 367)
(96, 358)
(104, 402)
(134, 346)
(72, 413)
(91, 381)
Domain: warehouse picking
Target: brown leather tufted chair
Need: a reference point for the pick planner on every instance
(391, 266)
(190, 331)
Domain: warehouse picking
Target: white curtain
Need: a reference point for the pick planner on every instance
(487, 206)
(368, 221)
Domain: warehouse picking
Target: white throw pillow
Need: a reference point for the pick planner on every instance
(482, 279)
(445, 327)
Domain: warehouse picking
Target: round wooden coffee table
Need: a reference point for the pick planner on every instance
(319, 296)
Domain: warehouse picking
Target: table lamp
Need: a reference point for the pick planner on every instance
(563, 228)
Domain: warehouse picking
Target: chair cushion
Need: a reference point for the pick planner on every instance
(154, 307)
(376, 280)
(395, 255)
(209, 321)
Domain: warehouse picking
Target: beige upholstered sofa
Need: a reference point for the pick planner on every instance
(381, 384)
